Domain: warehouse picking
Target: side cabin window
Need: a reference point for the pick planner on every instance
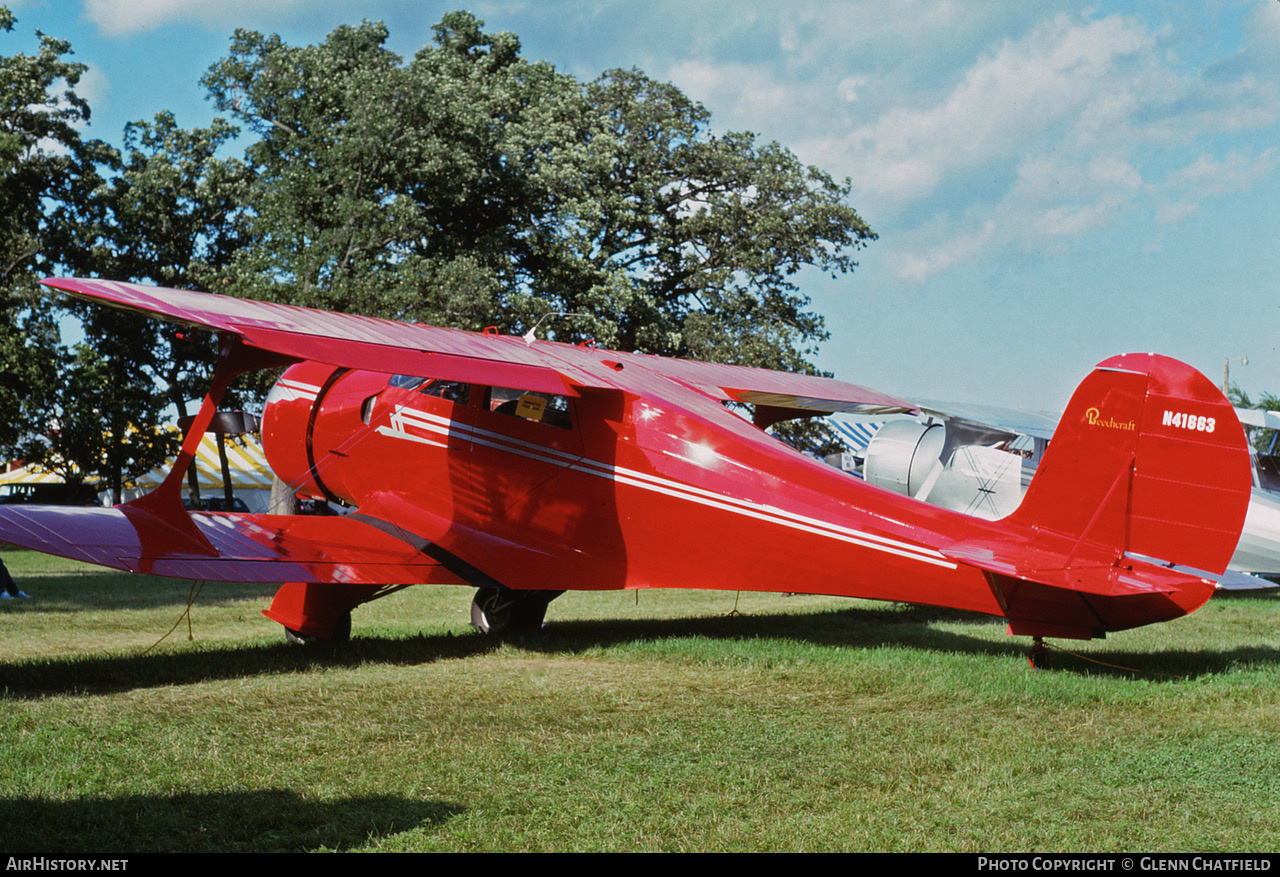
(549, 408)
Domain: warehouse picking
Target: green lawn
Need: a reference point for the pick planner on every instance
(664, 721)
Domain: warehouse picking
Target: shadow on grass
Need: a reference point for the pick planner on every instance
(269, 820)
(98, 674)
(916, 628)
(860, 627)
(109, 673)
(101, 589)
(888, 626)
(1166, 665)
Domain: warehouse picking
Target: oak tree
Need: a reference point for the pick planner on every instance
(470, 187)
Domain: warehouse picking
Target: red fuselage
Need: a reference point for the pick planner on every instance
(616, 491)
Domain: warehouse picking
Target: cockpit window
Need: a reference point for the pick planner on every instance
(450, 391)
(548, 408)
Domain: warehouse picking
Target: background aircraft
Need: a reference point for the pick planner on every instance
(523, 468)
(980, 460)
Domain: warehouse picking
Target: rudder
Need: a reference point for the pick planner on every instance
(1149, 459)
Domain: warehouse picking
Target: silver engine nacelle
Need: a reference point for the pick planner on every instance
(901, 455)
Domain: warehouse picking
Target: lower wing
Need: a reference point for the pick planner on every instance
(232, 547)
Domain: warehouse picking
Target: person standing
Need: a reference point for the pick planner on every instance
(10, 588)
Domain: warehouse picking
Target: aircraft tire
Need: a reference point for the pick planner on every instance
(500, 611)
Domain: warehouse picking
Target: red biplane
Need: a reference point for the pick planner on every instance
(524, 468)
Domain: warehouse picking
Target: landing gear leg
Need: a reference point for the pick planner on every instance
(502, 610)
(341, 633)
(1038, 657)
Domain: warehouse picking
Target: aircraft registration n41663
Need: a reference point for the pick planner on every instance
(524, 468)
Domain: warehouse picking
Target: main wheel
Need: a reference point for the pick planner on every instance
(501, 610)
(493, 610)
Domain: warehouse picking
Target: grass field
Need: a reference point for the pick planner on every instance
(674, 721)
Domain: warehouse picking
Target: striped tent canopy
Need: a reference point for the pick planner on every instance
(250, 473)
(29, 475)
(856, 434)
(248, 465)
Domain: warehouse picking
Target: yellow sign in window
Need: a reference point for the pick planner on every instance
(531, 406)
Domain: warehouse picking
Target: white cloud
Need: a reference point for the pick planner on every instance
(1051, 202)
(1171, 214)
(848, 88)
(94, 86)
(974, 128)
(1208, 176)
(744, 91)
(1089, 112)
(1237, 172)
(967, 128)
(1262, 33)
(117, 18)
(1063, 82)
(916, 265)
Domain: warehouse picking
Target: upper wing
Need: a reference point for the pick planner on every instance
(156, 536)
(1257, 417)
(502, 360)
(341, 339)
(1006, 420)
(759, 386)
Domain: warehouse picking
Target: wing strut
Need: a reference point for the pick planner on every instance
(164, 504)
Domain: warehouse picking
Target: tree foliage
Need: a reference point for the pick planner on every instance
(173, 215)
(471, 187)
(1265, 402)
(174, 212)
(46, 167)
(466, 187)
(101, 427)
(46, 171)
(158, 215)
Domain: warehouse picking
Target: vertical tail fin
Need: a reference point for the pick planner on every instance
(1149, 459)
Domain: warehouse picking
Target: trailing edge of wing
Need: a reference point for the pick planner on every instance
(766, 387)
(408, 348)
(1010, 420)
(1259, 418)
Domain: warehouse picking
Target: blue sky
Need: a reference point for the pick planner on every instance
(1052, 182)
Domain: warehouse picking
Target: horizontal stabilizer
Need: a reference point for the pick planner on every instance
(1242, 581)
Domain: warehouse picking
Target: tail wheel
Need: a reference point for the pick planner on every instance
(498, 611)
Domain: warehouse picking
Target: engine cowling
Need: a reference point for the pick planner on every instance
(311, 411)
(287, 423)
(902, 453)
